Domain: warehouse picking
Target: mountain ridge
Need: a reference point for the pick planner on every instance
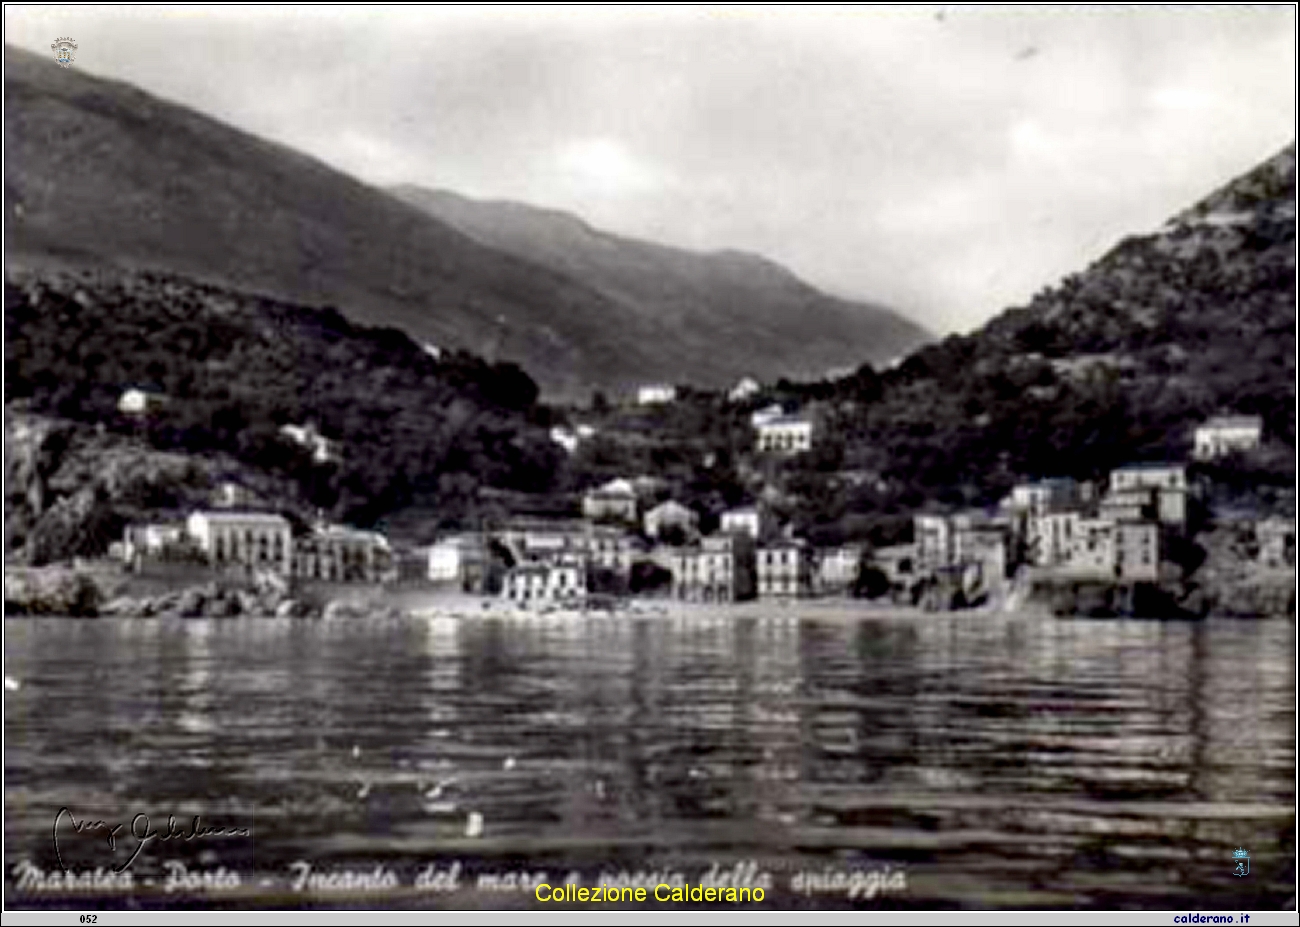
(101, 173)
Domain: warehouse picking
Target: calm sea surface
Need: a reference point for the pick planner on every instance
(951, 760)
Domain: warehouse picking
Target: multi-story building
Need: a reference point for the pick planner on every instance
(674, 515)
(152, 541)
(253, 539)
(1094, 550)
(984, 544)
(838, 569)
(461, 560)
(1137, 550)
(1167, 480)
(1050, 538)
(537, 539)
(610, 549)
(1276, 538)
(786, 434)
(785, 570)
(615, 501)
(340, 554)
(545, 583)
(1225, 434)
(932, 537)
(721, 569)
(1043, 496)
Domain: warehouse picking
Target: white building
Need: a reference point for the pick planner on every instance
(322, 449)
(1094, 552)
(788, 434)
(752, 520)
(1227, 433)
(341, 554)
(768, 414)
(137, 401)
(837, 568)
(932, 537)
(1051, 537)
(616, 500)
(254, 539)
(614, 550)
(671, 514)
(1137, 550)
(656, 393)
(149, 541)
(1167, 480)
(545, 583)
(747, 387)
(461, 560)
(784, 569)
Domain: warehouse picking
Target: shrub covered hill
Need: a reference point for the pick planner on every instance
(1115, 364)
(229, 370)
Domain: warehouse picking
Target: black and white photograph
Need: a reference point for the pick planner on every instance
(650, 461)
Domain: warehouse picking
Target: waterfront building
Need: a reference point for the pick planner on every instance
(1043, 496)
(838, 569)
(611, 549)
(253, 539)
(671, 514)
(1225, 434)
(1050, 538)
(1276, 538)
(983, 543)
(461, 560)
(614, 501)
(542, 539)
(721, 569)
(545, 583)
(337, 553)
(1093, 553)
(1137, 550)
(897, 562)
(932, 536)
(152, 541)
(784, 570)
(786, 434)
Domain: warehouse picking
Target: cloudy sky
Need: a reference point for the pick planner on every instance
(947, 161)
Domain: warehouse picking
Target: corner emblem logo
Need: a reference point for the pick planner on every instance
(1242, 859)
(64, 51)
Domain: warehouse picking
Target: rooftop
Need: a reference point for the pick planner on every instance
(1234, 421)
(242, 517)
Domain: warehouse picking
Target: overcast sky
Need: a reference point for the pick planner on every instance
(947, 161)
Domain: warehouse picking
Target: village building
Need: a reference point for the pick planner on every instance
(1167, 480)
(932, 537)
(253, 539)
(1050, 538)
(766, 414)
(984, 543)
(136, 401)
(611, 549)
(336, 553)
(1094, 551)
(321, 448)
(539, 539)
(656, 394)
(745, 388)
(838, 569)
(1276, 538)
(159, 541)
(752, 520)
(615, 501)
(1137, 551)
(897, 562)
(1226, 434)
(787, 434)
(462, 560)
(721, 569)
(1050, 495)
(545, 583)
(784, 570)
(671, 514)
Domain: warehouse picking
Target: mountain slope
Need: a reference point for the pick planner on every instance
(771, 323)
(101, 173)
(1116, 363)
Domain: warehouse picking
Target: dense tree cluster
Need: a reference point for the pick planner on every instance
(230, 370)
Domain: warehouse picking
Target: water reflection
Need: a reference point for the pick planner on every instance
(1000, 760)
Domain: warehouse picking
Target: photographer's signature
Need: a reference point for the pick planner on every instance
(141, 831)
